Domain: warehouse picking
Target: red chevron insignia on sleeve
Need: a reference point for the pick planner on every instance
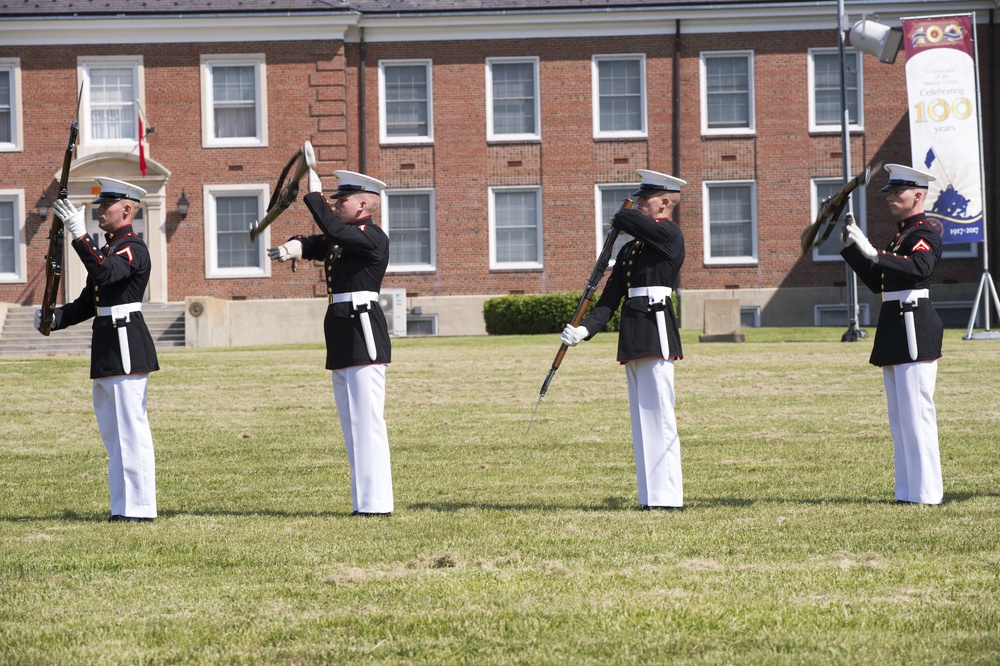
(127, 251)
(921, 246)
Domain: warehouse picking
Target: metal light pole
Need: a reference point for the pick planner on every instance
(853, 332)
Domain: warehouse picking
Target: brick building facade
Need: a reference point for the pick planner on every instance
(418, 94)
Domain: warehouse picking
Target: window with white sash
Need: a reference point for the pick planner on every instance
(230, 210)
(727, 92)
(408, 220)
(825, 114)
(109, 107)
(512, 106)
(619, 95)
(11, 139)
(13, 249)
(730, 222)
(515, 219)
(234, 100)
(406, 108)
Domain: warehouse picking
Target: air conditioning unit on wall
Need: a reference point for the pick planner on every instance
(393, 302)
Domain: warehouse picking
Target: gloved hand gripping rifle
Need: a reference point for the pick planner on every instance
(581, 309)
(54, 256)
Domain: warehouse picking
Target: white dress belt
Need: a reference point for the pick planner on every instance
(355, 298)
(359, 301)
(118, 311)
(906, 295)
(120, 315)
(654, 294)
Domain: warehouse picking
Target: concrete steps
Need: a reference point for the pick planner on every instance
(18, 336)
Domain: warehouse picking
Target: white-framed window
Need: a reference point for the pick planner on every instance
(959, 250)
(619, 95)
(727, 92)
(821, 189)
(408, 220)
(406, 101)
(824, 90)
(513, 110)
(11, 135)
(515, 215)
(730, 221)
(113, 90)
(13, 249)
(233, 100)
(608, 199)
(229, 212)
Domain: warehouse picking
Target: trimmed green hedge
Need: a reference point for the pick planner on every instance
(544, 313)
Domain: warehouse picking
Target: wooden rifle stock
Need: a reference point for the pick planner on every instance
(581, 309)
(54, 256)
(286, 193)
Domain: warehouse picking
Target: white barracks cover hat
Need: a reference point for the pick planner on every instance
(350, 182)
(113, 190)
(654, 181)
(903, 178)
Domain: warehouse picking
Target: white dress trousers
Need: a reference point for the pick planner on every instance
(360, 394)
(909, 390)
(654, 431)
(120, 407)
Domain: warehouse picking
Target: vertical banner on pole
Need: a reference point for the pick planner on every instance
(941, 86)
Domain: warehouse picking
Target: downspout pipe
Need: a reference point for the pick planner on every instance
(362, 110)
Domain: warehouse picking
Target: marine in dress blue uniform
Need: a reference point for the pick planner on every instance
(355, 253)
(122, 351)
(644, 277)
(909, 332)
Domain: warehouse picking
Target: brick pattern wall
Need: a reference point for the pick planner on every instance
(315, 92)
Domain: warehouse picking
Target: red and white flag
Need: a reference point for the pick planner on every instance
(142, 150)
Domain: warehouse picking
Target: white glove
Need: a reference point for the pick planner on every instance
(573, 335)
(290, 250)
(854, 236)
(38, 319)
(314, 183)
(71, 217)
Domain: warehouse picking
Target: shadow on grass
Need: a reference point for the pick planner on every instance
(608, 504)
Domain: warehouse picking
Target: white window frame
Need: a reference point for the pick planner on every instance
(754, 259)
(87, 144)
(208, 136)
(516, 265)
(837, 127)
(491, 134)
(860, 213)
(19, 275)
(212, 270)
(16, 144)
(382, 120)
(948, 251)
(595, 87)
(387, 228)
(599, 219)
(751, 92)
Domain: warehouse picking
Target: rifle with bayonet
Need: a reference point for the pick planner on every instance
(54, 256)
(285, 193)
(581, 309)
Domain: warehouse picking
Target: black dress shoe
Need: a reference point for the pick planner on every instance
(363, 513)
(643, 507)
(129, 519)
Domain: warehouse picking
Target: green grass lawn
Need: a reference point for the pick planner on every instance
(505, 548)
